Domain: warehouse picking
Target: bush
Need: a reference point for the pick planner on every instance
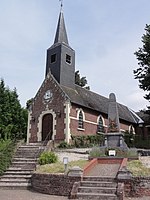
(83, 141)
(63, 145)
(47, 158)
(97, 152)
(6, 152)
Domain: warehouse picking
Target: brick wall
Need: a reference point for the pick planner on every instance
(54, 184)
(90, 122)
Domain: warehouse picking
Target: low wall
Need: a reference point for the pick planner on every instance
(54, 184)
(137, 187)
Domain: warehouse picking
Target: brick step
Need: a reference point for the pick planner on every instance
(94, 196)
(105, 190)
(98, 184)
(99, 178)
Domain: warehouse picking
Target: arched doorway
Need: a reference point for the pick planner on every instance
(47, 126)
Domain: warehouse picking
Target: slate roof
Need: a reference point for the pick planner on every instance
(98, 103)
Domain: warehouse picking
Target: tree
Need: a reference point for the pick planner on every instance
(143, 57)
(81, 81)
(13, 118)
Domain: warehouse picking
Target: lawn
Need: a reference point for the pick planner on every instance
(138, 169)
(59, 166)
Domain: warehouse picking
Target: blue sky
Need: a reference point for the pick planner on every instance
(104, 34)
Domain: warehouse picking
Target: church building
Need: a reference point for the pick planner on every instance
(61, 108)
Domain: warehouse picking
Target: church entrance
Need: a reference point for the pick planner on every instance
(47, 127)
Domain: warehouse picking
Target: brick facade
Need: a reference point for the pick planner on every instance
(64, 113)
(40, 107)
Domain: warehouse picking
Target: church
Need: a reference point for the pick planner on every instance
(61, 109)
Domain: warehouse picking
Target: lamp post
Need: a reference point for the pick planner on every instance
(65, 161)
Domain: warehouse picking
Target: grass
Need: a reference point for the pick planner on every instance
(59, 166)
(138, 169)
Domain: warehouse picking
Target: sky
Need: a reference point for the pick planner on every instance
(104, 34)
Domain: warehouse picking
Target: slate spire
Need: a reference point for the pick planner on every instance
(61, 34)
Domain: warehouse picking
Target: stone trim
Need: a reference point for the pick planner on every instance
(67, 122)
(29, 126)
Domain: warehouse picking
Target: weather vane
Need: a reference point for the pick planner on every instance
(61, 3)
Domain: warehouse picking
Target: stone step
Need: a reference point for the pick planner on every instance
(94, 196)
(19, 172)
(15, 176)
(17, 169)
(20, 186)
(105, 190)
(16, 159)
(98, 184)
(99, 178)
(14, 180)
(27, 155)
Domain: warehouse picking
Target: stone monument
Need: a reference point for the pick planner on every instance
(113, 137)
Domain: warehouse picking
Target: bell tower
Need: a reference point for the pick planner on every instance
(61, 57)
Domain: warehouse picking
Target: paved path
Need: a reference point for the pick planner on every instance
(104, 170)
(26, 195)
(31, 195)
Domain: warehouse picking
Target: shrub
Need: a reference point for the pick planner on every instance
(47, 158)
(63, 145)
(6, 152)
(83, 141)
(97, 152)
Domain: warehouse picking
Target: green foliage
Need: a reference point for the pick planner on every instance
(6, 152)
(101, 152)
(47, 158)
(137, 141)
(143, 57)
(28, 103)
(84, 141)
(13, 118)
(64, 145)
(81, 81)
(97, 152)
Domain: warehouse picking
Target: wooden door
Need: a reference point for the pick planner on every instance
(47, 127)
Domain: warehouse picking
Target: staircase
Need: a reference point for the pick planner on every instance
(18, 175)
(94, 187)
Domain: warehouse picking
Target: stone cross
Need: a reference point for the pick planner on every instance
(113, 116)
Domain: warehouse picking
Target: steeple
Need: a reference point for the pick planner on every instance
(61, 34)
(61, 57)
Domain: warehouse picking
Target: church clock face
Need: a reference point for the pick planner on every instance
(48, 96)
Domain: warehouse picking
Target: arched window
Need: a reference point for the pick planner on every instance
(80, 120)
(100, 125)
(131, 130)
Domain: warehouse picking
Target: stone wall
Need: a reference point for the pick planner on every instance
(137, 187)
(54, 184)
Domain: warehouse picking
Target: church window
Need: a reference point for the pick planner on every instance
(68, 59)
(53, 58)
(100, 125)
(80, 122)
(131, 130)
